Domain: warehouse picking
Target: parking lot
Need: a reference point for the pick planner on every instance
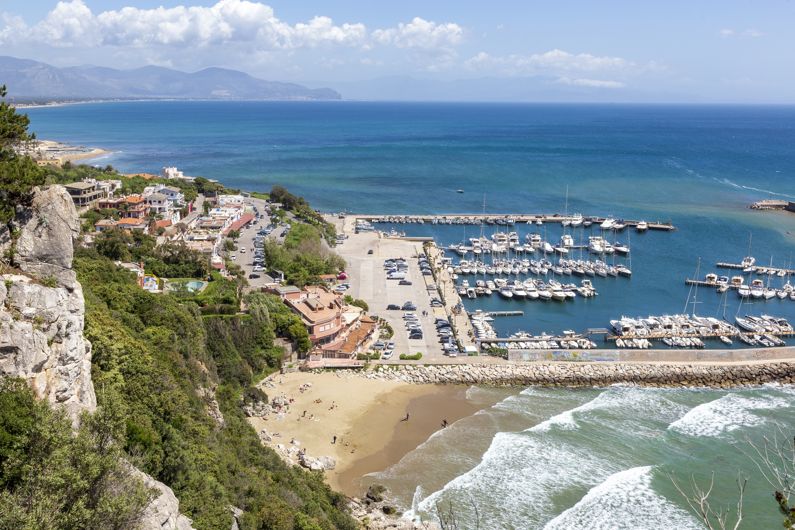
(368, 281)
(245, 259)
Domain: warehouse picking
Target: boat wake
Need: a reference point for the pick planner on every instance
(726, 414)
(625, 500)
(751, 188)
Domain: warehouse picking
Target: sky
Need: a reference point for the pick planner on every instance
(606, 50)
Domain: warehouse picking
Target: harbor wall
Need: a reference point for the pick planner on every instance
(736, 355)
(587, 374)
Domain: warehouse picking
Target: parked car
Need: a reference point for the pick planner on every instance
(404, 282)
(370, 252)
(393, 307)
(387, 354)
(253, 276)
(409, 306)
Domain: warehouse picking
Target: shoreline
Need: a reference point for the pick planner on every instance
(366, 419)
(57, 152)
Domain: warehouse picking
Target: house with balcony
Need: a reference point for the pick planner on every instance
(336, 330)
(85, 194)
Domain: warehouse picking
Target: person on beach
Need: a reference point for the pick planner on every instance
(334, 440)
(444, 423)
(406, 418)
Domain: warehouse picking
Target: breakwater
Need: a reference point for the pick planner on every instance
(588, 374)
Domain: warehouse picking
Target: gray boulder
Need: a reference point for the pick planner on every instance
(47, 232)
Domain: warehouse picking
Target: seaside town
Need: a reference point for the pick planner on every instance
(417, 266)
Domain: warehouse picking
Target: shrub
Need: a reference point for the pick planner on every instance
(406, 357)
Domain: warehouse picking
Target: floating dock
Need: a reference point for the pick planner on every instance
(505, 313)
(501, 219)
(759, 269)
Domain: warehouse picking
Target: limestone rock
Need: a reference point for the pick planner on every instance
(41, 341)
(162, 513)
(47, 232)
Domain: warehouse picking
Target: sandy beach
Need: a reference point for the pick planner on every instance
(367, 417)
(58, 152)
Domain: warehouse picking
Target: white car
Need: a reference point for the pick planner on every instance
(387, 354)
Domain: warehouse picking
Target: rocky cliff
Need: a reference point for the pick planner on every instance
(41, 306)
(42, 314)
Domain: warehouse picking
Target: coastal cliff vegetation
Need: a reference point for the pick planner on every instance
(171, 372)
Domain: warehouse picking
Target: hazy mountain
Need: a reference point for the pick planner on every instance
(28, 79)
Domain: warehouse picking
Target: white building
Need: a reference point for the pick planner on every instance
(174, 173)
(230, 200)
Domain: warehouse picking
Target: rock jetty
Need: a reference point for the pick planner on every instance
(588, 374)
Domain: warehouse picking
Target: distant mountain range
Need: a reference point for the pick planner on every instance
(33, 80)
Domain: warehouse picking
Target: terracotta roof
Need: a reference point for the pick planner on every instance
(240, 223)
(163, 223)
(131, 221)
(134, 199)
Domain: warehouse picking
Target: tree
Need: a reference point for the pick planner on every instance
(53, 479)
(19, 174)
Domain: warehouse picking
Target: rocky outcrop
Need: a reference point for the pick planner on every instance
(47, 231)
(163, 512)
(586, 374)
(41, 341)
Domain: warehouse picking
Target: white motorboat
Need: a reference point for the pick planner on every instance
(607, 224)
(642, 226)
(506, 292)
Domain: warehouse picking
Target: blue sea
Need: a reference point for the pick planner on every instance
(539, 458)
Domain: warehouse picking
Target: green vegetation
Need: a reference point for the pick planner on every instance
(169, 260)
(18, 174)
(406, 357)
(302, 258)
(356, 302)
(52, 479)
(303, 211)
(156, 351)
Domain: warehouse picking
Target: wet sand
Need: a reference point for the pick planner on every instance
(366, 419)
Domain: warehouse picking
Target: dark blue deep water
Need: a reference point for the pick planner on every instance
(697, 166)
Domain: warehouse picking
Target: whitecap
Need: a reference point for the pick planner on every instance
(625, 500)
(517, 478)
(725, 414)
(614, 398)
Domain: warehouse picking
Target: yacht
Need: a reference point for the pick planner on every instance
(506, 292)
(576, 219)
(621, 249)
(757, 288)
(607, 224)
(566, 241)
(642, 226)
(744, 291)
(558, 293)
(596, 244)
(548, 249)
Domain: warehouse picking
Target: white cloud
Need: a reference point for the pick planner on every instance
(591, 83)
(551, 62)
(248, 24)
(750, 33)
(421, 34)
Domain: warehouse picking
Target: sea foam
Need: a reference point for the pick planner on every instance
(725, 414)
(625, 500)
